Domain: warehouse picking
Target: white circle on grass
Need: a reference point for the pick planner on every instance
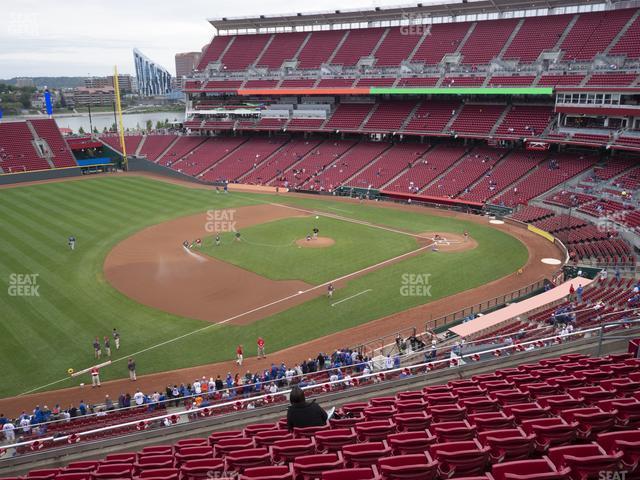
(551, 261)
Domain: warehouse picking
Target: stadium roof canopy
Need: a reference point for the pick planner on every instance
(414, 13)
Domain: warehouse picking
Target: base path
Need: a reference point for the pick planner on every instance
(533, 271)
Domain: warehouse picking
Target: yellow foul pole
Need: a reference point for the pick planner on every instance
(116, 87)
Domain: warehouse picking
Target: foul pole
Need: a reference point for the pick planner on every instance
(116, 87)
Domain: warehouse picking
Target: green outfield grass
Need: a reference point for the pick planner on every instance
(270, 249)
(42, 336)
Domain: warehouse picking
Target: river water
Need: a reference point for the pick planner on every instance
(102, 120)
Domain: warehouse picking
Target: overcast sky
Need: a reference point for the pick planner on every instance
(89, 37)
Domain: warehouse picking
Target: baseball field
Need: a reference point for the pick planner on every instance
(178, 307)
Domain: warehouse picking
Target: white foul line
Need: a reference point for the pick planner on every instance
(352, 296)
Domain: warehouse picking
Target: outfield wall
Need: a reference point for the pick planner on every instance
(137, 164)
(54, 174)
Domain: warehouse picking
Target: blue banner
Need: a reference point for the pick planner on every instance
(47, 102)
(0, 114)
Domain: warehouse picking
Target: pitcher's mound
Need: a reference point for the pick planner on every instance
(320, 242)
(448, 242)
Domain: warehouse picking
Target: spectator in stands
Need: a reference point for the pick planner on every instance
(579, 291)
(302, 413)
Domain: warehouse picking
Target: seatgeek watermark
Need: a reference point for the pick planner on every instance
(612, 475)
(614, 222)
(415, 285)
(413, 24)
(221, 221)
(24, 285)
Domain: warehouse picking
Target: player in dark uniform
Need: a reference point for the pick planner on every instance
(315, 233)
(237, 236)
(330, 290)
(72, 242)
(217, 240)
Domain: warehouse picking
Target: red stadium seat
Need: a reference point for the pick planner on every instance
(591, 420)
(193, 453)
(412, 421)
(492, 421)
(408, 467)
(113, 471)
(364, 454)
(202, 468)
(460, 458)
(284, 451)
(447, 413)
(627, 442)
(374, 430)
(542, 469)
(266, 438)
(334, 440)
(215, 436)
(508, 445)
(370, 473)
(149, 462)
(225, 446)
(268, 473)
(453, 431)
(82, 466)
(239, 460)
(310, 467)
(550, 432)
(159, 474)
(585, 461)
(410, 442)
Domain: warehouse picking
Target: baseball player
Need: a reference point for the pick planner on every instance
(72, 242)
(217, 240)
(96, 348)
(239, 355)
(330, 290)
(315, 233)
(107, 347)
(261, 353)
(95, 377)
(116, 338)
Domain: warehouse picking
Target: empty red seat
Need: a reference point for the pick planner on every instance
(492, 421)
(410, 442)
(74, 476)
(496, 385)
(550, 432)
(82, 466)
(458, 459)
(418, 466)
(379, 412)
(440, 398)
(508, 444)
(557, 403)
(266, 438)
(542, 469)
(113, 471)
(201, 468)
(482, 404)
(157, 450)
(507, 397)
(190, 442)
(148, 462)
(43, 473)
(239, 460)
(284, 451)
(354, 408)
(345, 422)
(591, 395)
(538, 389)
(585, 461)
(374, 430)
(411, 405)
(370, 473)
(412, 421)
(215, 436)
(409, 396)
(251, 430)
(447, 413)
(334, 440)
(526, 411)
(119, 458)
(364, 454)
(307, 432)
(382, 402)
(193, 453)
(567, 381)
(591, 420)
(279, 472)
(159, 474)
(627, 442)
(228, 445)
(309, 467)
(453, 431)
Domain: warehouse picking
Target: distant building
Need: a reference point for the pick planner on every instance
(186, 63)
(127, 83)
(25, 82)
(153, 80)
(83, 96)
